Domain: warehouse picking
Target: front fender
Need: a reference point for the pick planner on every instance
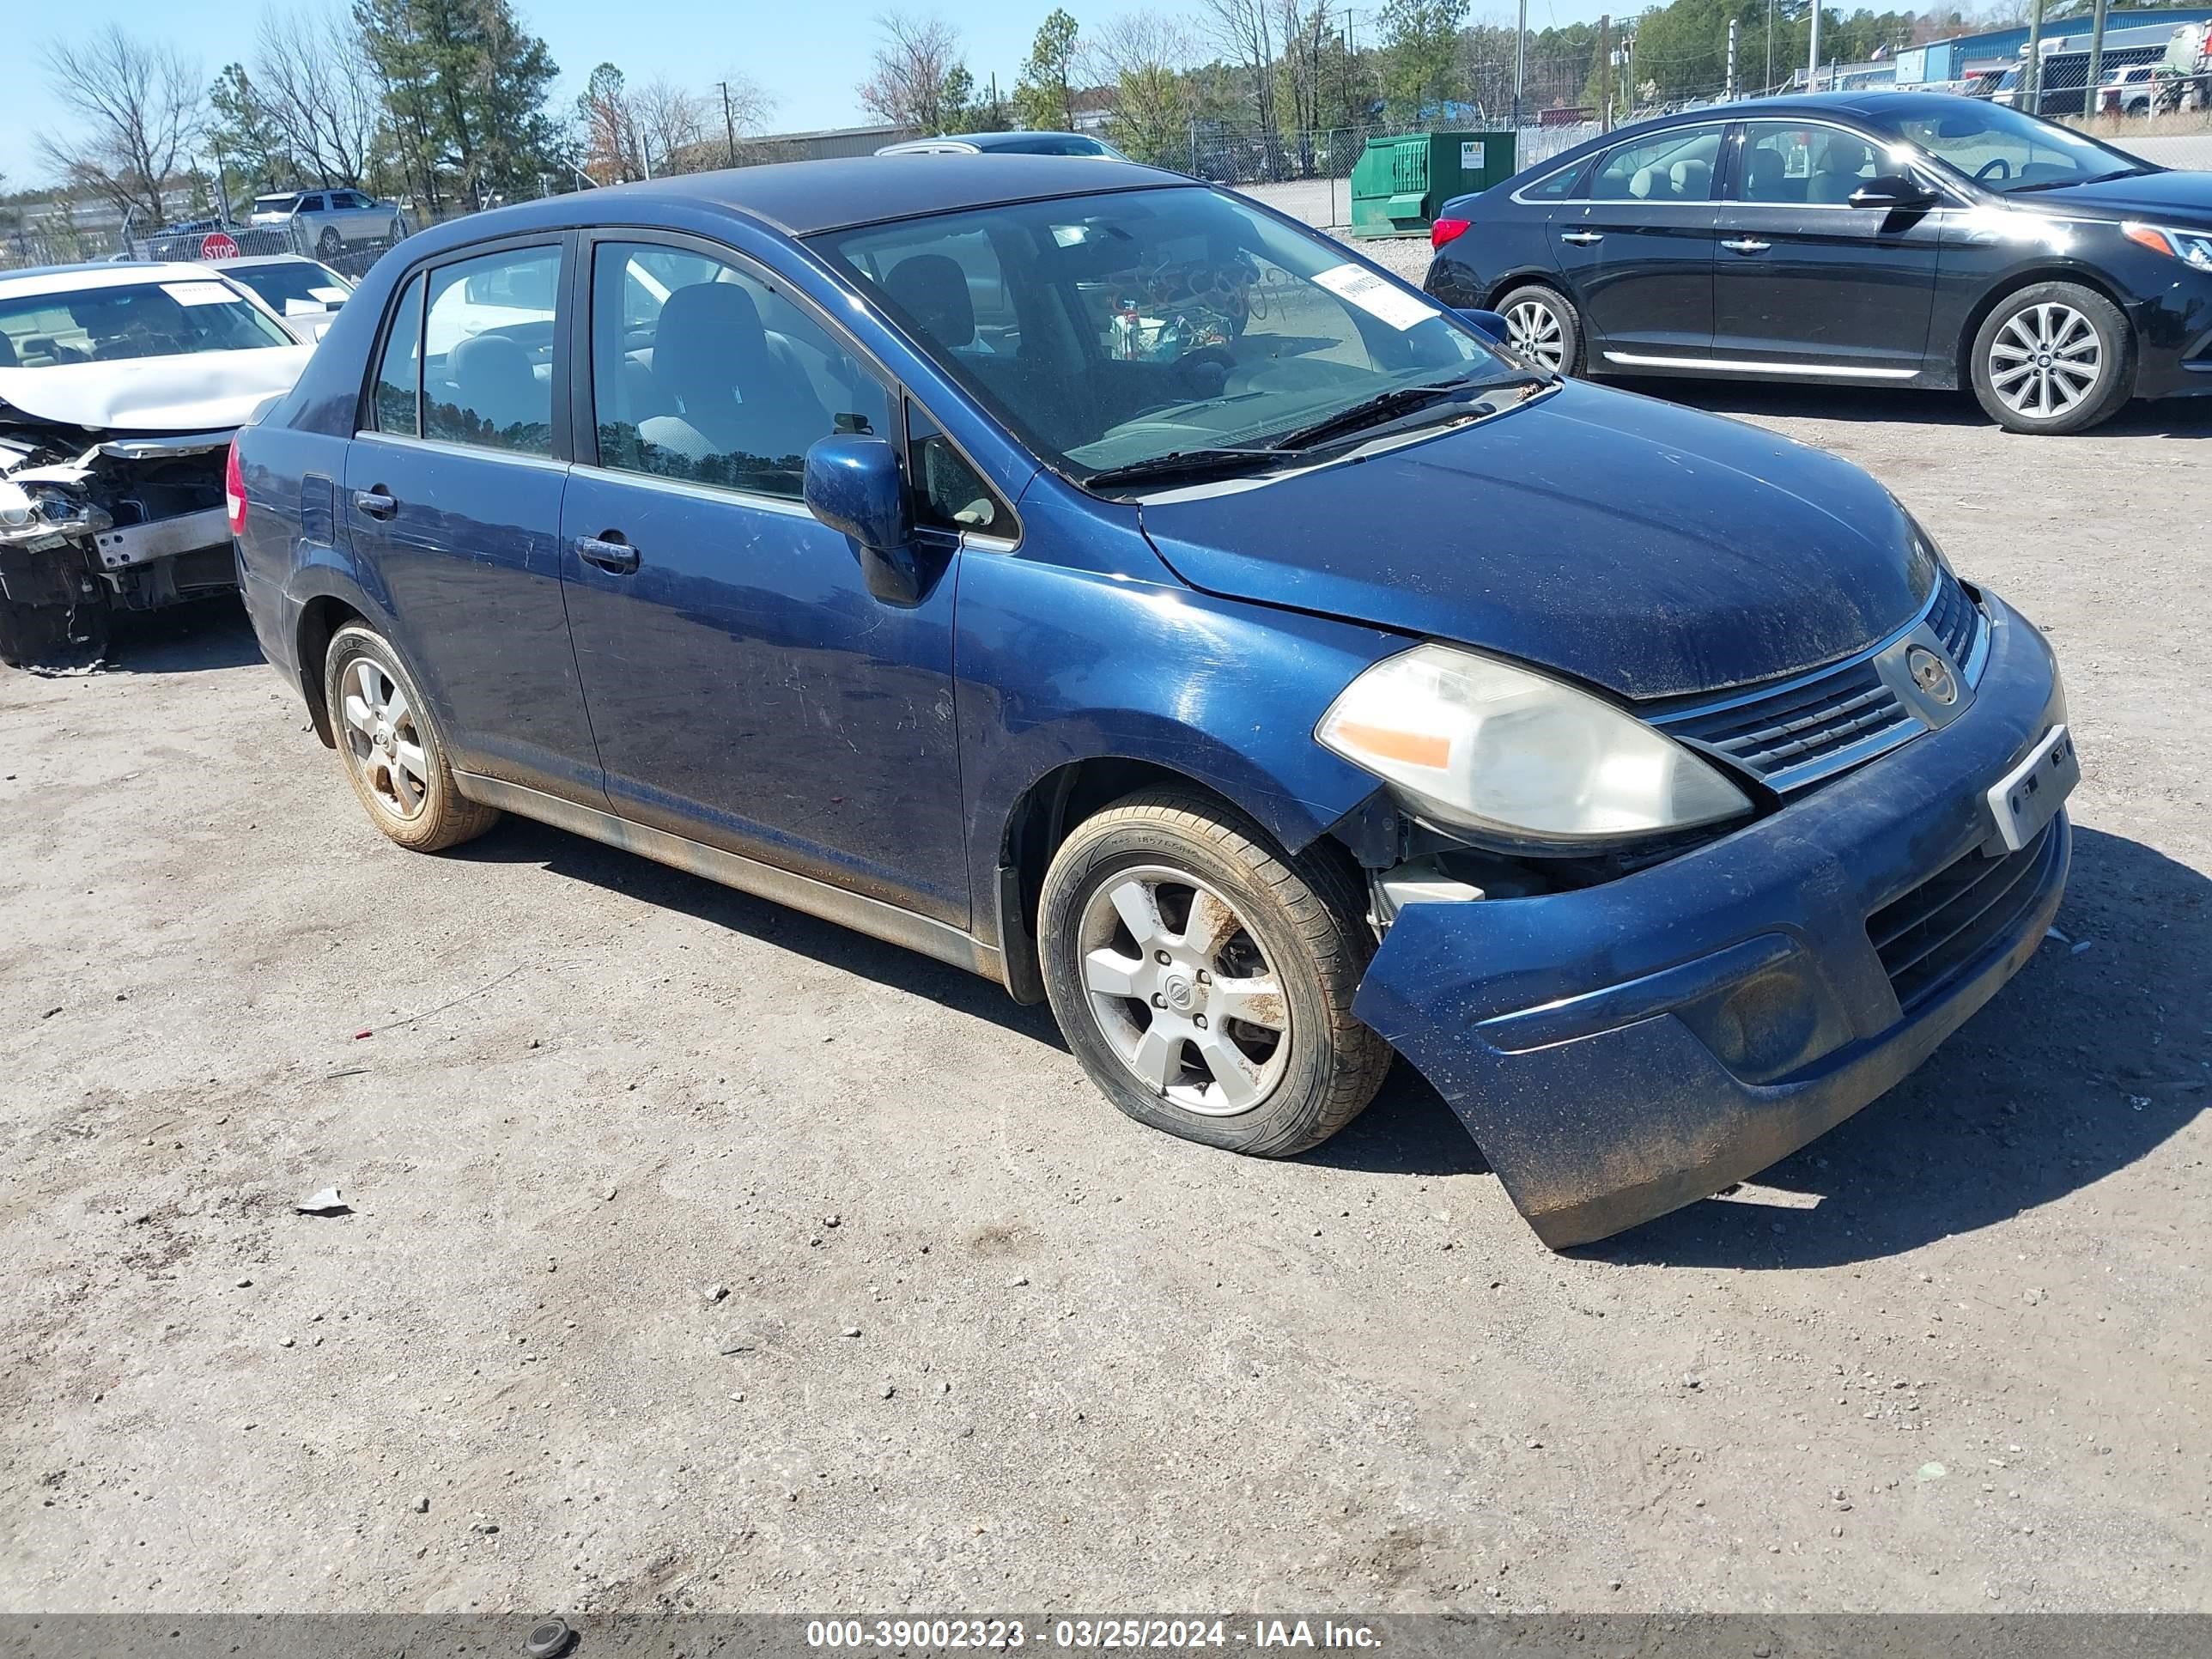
(1058, 665)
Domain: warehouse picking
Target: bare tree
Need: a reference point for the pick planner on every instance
(671, 125)
(320, 93)
(742, 105)
(140, 105)
(1142, 55)
(908, 82)
(1244, 32)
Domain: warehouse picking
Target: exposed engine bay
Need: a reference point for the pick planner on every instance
(92, 523)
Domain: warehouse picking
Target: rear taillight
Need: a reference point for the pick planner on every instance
(233, 491)
(1445, 229)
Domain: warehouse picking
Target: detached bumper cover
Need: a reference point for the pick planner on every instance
(1622, 1050)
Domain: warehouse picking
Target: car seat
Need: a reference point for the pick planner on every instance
(1690, 181)
(492, 380)
(731, 394)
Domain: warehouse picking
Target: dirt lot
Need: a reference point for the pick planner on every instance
(1951, 1356)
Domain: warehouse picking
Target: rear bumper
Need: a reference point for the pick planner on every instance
(1622, 1050)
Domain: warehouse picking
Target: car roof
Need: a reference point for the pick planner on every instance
(803, 197)
(75, 279)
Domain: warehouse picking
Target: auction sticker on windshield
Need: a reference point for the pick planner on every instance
(201, 294)
(1375, 296)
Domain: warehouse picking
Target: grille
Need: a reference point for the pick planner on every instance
(1953, 618)
(1810, 722)
(1947, 922)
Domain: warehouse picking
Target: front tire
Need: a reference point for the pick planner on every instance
(2054, 358)
(1542, 323)
(395, 756)
(1205, 981)
(328, 244)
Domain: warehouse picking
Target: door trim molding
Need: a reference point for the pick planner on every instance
(872, 916)
(1722, 365)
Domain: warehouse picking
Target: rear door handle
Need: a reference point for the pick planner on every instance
(376, 503)
(1582, 238)
(1746, 245)
(609, 552)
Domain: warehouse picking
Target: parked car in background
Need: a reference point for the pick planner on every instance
(2129, 90)
(1882, 239)
(304, 292)
(1303, 700)
(1006, 143)
(120, 387)
(327, 220)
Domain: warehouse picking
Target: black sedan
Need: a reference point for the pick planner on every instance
(1898, 238)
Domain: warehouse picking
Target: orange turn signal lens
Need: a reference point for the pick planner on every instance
(1389, 742)
(2150, 236)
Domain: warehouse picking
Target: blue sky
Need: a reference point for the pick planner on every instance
(809, 54)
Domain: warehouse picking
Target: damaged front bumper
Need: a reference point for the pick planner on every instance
(1624, 1049)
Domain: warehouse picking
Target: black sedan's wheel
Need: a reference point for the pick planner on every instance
(394, 755)
(2054, 358)
(1205, 981)
(1541, 324)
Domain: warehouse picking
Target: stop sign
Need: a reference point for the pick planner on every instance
(218, 245)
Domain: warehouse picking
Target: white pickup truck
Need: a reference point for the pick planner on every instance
(328, 221)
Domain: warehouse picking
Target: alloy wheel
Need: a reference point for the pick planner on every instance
(1533, 330)
(2046, 360)
(1184, 992)
(382, 740)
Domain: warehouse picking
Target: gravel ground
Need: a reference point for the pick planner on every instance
(982, 1343)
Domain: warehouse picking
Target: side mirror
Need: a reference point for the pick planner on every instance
(1488, 323)
(1892, 190)
(854, 484)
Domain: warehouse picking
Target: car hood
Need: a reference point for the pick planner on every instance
(197, 392)
(1644, 547)
(2177, 194)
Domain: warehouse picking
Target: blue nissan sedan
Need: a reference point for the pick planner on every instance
(1091, 578)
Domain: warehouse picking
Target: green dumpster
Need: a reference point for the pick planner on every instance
(1399, 183)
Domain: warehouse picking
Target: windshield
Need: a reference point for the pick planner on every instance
(111, 324)
(2007, 149)
(1114, 330)
(299, 281)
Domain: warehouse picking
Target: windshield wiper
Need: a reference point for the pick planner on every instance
(1184, 463)
(1382, 406)
(2068, 184)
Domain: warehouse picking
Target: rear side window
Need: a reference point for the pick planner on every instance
(311, 205)
(1671, 166)
(488, 351)
(1555, 188)
(703, 372)
(399, 375)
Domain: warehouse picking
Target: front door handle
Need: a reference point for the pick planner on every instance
(1746, 245)
(377, 503)
(610, 552)
(1582, 238)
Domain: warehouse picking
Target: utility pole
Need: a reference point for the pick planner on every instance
(1728, 91)
(2090, 102)
(729, 123)
(1813, 52)
(1605, 57)
(1520, 67)
(2030, 96)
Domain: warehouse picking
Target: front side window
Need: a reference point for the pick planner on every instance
(488, 351)
(1672, 166)
(1792, 164)
(137, 320)
(399, 375)
(1112, 330)
(2006, 151)
(948, 493)
(703, 372)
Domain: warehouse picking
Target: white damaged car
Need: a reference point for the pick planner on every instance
(120, 387)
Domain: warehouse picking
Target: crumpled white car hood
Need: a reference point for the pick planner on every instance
(197, 392)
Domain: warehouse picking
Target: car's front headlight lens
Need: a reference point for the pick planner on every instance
(1476, 744)
(2192, 248)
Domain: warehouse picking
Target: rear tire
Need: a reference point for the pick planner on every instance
(1542, 323)
(2054, 358)
(395, 756)
(328, 244)
(1223, 1013)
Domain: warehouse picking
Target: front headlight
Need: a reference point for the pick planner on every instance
(2192, 248)
(1480, 744)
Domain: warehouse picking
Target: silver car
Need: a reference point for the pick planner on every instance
(328, 221)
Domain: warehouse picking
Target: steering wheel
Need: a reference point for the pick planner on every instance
(1203, 374)
(1982, 173)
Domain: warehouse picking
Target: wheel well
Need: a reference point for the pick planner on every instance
(1997, 296)
(1500, 290)
(1048, 811)
(318, 620)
